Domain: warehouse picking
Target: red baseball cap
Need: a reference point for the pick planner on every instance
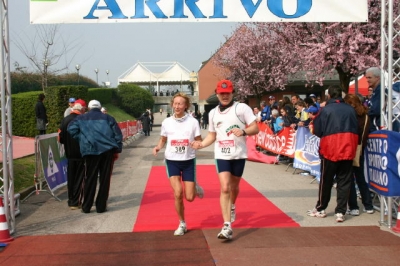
(81, 102)
(224, 86)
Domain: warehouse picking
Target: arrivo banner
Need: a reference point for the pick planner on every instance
(111, 11)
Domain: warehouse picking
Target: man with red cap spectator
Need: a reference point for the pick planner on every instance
(229, 123)
(75, 165)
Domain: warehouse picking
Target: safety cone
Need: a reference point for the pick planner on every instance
(4, 233)
(396, 229)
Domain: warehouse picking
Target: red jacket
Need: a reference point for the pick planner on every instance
(337, 126)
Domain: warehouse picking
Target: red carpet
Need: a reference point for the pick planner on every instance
(157, 211)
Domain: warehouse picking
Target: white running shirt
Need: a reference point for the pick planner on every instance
(179, 136)
(227, 146)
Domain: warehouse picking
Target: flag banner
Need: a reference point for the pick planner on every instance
(54, 162)
(281, 143)
(382, 163)
(306, 156)
(117, 11)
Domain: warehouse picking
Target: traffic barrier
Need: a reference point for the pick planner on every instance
(4, 232)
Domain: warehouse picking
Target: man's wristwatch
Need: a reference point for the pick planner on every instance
(244, 133)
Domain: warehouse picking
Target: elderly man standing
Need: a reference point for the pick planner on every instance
(100, 141)
(373, 76)
(75, 166)
(337, 127)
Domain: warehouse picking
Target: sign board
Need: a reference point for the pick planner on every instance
(382, 162)
(112, 11)
(54, 162)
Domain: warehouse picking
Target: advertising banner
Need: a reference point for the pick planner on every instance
(307, 152)
(54, 162)
(280, 143)
(120, 11)
(382, 163)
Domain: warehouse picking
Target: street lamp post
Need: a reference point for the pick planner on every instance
(108, 81)
(96, 70)
(46, 64)
(77, 67)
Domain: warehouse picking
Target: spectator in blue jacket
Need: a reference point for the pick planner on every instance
(373, 76)
(265, 112)
(100, 142)
(396, 103)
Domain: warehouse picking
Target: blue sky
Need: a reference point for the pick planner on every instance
(117, 47)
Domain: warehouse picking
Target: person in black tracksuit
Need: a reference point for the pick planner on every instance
(75, 167)
(337, 126)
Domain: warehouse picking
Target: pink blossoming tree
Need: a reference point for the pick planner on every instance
(264, 56)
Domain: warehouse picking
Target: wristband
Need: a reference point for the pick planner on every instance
(244, 133)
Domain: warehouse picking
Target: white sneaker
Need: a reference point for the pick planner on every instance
(226, 232)
(369, 211)
(339, 217)
(233, 214)
(315, 213)
(181, 230)
(354, 212)
(199, 191)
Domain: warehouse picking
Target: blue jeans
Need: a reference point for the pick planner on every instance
(359, 177)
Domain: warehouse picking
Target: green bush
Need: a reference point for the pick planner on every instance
(56, 101)
(23, 113)
(28, 81)
(103, 95)
(133, 99)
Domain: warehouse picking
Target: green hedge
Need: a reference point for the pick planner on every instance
(56, 101)
(103, 95)
(131, 98)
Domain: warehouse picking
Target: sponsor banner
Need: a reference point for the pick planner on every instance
(117, 11)
(54, 162)
(280, 143)
(307, 152)
(256, 156)
(382, 163)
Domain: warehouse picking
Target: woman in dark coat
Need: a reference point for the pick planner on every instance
(41, 116)
(146, 120)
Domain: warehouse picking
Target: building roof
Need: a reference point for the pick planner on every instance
(172, 73)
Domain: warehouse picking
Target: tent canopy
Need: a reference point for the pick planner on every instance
(173, 73)
(362, 86)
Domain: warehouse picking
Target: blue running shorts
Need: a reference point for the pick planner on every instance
(186, 169)
(235, 167)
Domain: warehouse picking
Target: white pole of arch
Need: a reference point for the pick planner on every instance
(7, 175)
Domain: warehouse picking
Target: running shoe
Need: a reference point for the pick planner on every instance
(369, 211)
(315, 213)
(339, 218)
(354, 212)
(226, 232)
(181, 230)
(199, 191)
(233, 213)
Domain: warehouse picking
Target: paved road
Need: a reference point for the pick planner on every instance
(292, 193)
